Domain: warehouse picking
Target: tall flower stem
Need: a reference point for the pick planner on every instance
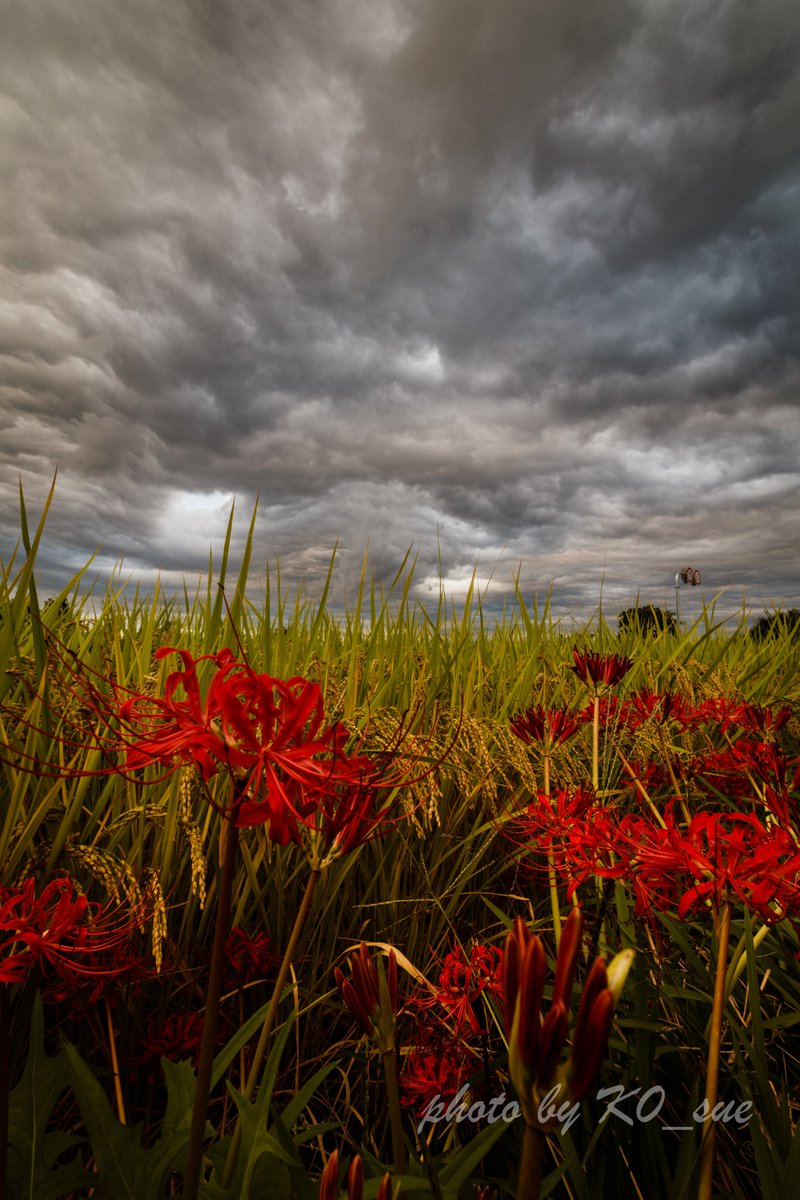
(551, 868)
(269, 1019)
(596, 742)
(712, 1069)
(530, 1167)
(112, 1046)
(395, 1117)
(191, 1184)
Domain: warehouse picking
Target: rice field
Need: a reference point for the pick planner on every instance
(394, 902)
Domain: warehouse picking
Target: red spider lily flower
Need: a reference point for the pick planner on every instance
(752, 718)
(550, 726)
(718, 854)
(116, 971)
(371, 995)
(535, 1046)
(647, 775)
(295, 774)
(435, 1068)
(265, 731)
(598, 670)
(570, 832)
(645, 707)
(550, 819)
(648, 857)
(248, 959)
(61, 930)
(591, 849)
(758, 772)
(735, 853)
(177, 1038)
(769, 764)
(332, 823)
(776, 781)
(721, 773)
(170, 730)
(716, 710)
(463, 980)
(607, 710)
(292, 773)
(352, 816)
(756, 719)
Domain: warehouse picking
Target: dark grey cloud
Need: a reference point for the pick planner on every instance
(514, 284)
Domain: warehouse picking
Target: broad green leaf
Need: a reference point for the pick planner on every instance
(32, 1150)
(126, 1169)
(459, 1166)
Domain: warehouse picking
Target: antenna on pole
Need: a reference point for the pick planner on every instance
(687, 575)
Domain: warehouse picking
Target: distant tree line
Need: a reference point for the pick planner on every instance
(648, 619)
(777, 624)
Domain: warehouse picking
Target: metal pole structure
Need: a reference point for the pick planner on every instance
(687, 575)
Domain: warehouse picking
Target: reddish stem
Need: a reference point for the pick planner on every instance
(191, 1184)
(712, 1070)
(530, 1168)
(269, 1020)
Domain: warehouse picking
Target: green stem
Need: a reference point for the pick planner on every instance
(395, 1117)
(191, 1185)
(530, 1168)
(596, 743)
(269, 1019)
(712, 1068)
(739, 959)
(551, 871)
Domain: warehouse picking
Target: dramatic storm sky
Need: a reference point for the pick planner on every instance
(510, 282)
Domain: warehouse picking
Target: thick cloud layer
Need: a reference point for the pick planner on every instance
(514, 283)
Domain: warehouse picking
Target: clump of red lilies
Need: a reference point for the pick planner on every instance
(76, 946)
(708, 820)
(288, 771)
(59, 930)
(293, 773)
